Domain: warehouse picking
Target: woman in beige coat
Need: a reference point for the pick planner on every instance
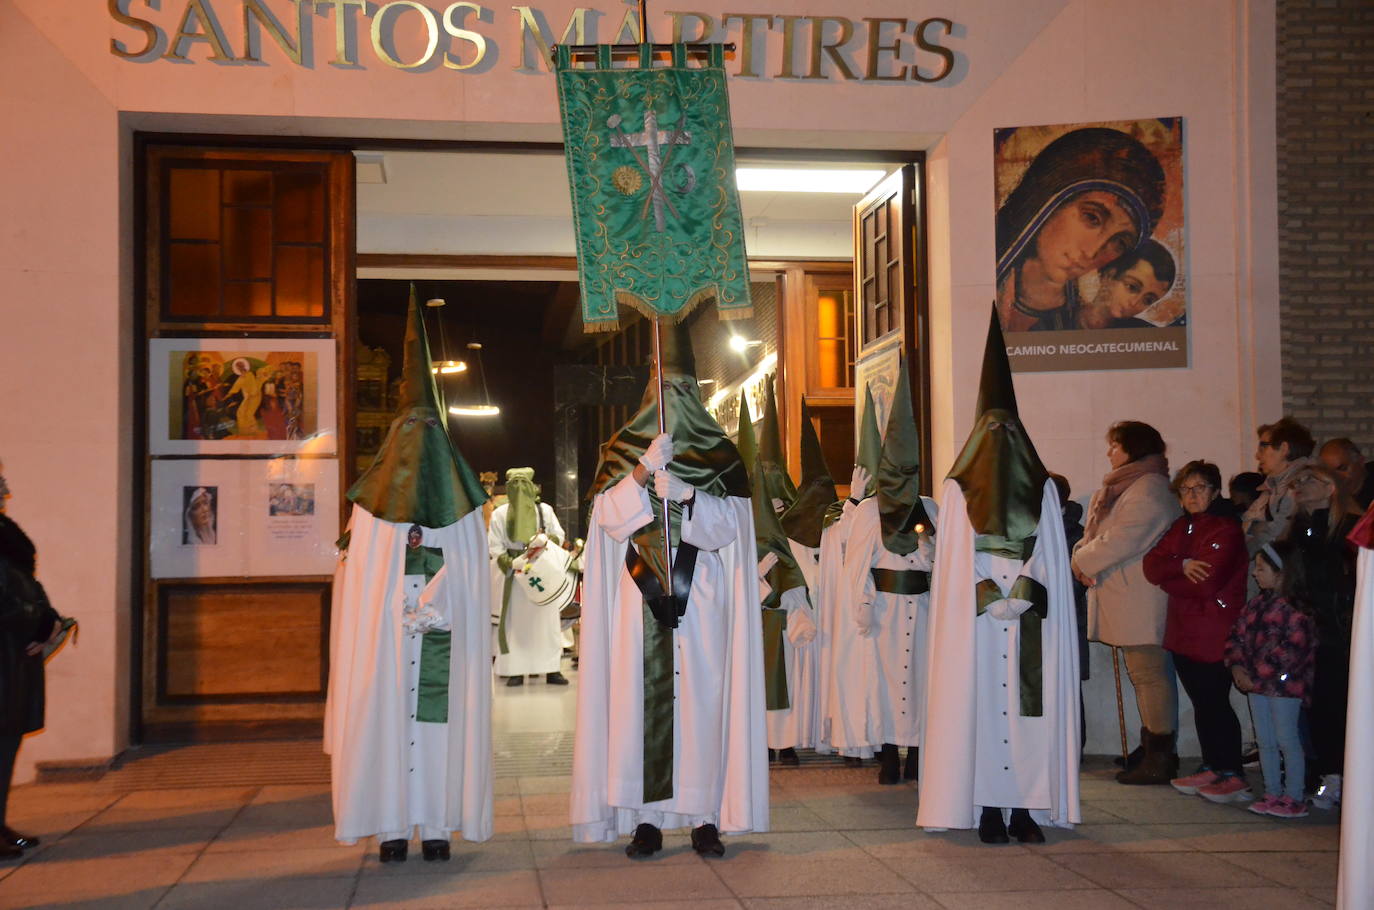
(1126, 518)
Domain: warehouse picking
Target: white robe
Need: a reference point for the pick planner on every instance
(809, 560)
(1355, 886)
(389, 772)
(534, 635)
(977, 748)
(720, 766)
(794, 727)
(845, 655)
(885, 703)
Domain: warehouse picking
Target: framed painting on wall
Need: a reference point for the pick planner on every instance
(258, 396)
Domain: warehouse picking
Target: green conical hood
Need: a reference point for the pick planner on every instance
(703, 455)
(522, 505)
(999, 470)
(899, 474)
(870, 444)
(745, 440)
(773, 476)
(768, 533)
(418, 476)
(805, 518)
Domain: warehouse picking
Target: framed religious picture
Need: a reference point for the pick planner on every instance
(259, 396)
(1092, 270)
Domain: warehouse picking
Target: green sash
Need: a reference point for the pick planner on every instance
(431, 704)
(774, 666)
(658, 663)
(503, 562)
(1032, 672)
(903, 582)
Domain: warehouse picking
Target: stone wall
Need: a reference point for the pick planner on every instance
(1326, 215)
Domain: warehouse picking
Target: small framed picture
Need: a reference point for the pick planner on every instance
(260, 396)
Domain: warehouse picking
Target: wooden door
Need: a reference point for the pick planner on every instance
(244, 370)
(890, 311)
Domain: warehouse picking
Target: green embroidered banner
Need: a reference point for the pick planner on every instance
(651, 164)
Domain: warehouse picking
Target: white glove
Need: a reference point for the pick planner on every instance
(801, 629)
(669, 487)
(778, 505)
(767, 563)
(863, 617)
(538, 542)
(858, 482)
(518, 564)
(658, 453)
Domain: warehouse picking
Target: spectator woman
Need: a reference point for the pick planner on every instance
(27, 623)
(1126, 517)
(1201, 564)
(1326, 513)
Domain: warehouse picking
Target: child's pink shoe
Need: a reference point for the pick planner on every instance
(1262, 806)
(1230, 789)
(1189, 785)
(1287, 807)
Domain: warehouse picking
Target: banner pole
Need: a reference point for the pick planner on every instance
(662, 428)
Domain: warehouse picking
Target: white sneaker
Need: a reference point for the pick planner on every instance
(1328, 795)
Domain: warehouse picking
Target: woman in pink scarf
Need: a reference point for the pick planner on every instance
(1126, 518)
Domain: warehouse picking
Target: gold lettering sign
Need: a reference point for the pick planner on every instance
(871, 49)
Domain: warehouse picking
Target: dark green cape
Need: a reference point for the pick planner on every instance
(870, 445)
(768, 533)
(418, 476)
(902, 513)
(805, 518)
(773, 478)
(999, 470)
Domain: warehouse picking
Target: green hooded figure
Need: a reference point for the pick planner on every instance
(805, 518)
(870, 445)
(898, 479)
(773, 478)
(999, 470)
(418, 476)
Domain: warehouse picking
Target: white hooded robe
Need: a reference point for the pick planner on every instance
(720, 763)
(1355, 887)
(534, 634)
(977, 750)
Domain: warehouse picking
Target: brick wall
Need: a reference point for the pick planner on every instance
(1326, 215)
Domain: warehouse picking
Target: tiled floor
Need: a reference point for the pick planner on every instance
(214, 834)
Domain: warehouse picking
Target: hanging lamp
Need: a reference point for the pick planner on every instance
(486, 408)
(444, 367)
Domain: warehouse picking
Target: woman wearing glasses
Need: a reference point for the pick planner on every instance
(1201, 563)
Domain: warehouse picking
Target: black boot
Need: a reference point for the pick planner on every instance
(889, 768)
(853, 761)
(647, 841)
(555, 679)
(27, 841)
(1159, 766)
(1024, 828)
(788, 756)
(515, 680)
(706, 841)
(435, 850)
(991, 828)
(392, 851)
(911, 769)
(1137, 754)
(772, 755)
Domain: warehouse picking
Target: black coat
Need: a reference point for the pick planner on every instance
(25, 617)
(1329, 561)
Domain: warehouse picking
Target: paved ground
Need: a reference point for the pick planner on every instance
(248, 826)
(838, 840)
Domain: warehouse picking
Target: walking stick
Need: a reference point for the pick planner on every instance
(662, 424)
(1120, 706)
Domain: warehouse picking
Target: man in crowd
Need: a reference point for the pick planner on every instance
(670, 707)
(1346, 461)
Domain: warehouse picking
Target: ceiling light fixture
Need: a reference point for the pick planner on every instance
(486, 408)
(806, 180)
(741, 344)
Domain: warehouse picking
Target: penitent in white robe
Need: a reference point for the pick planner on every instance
(1355, 888)
(389, 772)
(720, 764)
(846, 657)
(809, 561)
(885, 704)
(534, 635)
(977, 750)
(794, 727)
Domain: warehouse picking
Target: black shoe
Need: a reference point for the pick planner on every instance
(889, 769)
(913, 763)
(1024, 828)
(392, 851)
(515, 680)
(788, 756)
(10, 851)
(706, 841)
(647, 841)
(991, 828)
(555, 679)
(435, 850)
(12, 837)
(853, 761)
(772, 755)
